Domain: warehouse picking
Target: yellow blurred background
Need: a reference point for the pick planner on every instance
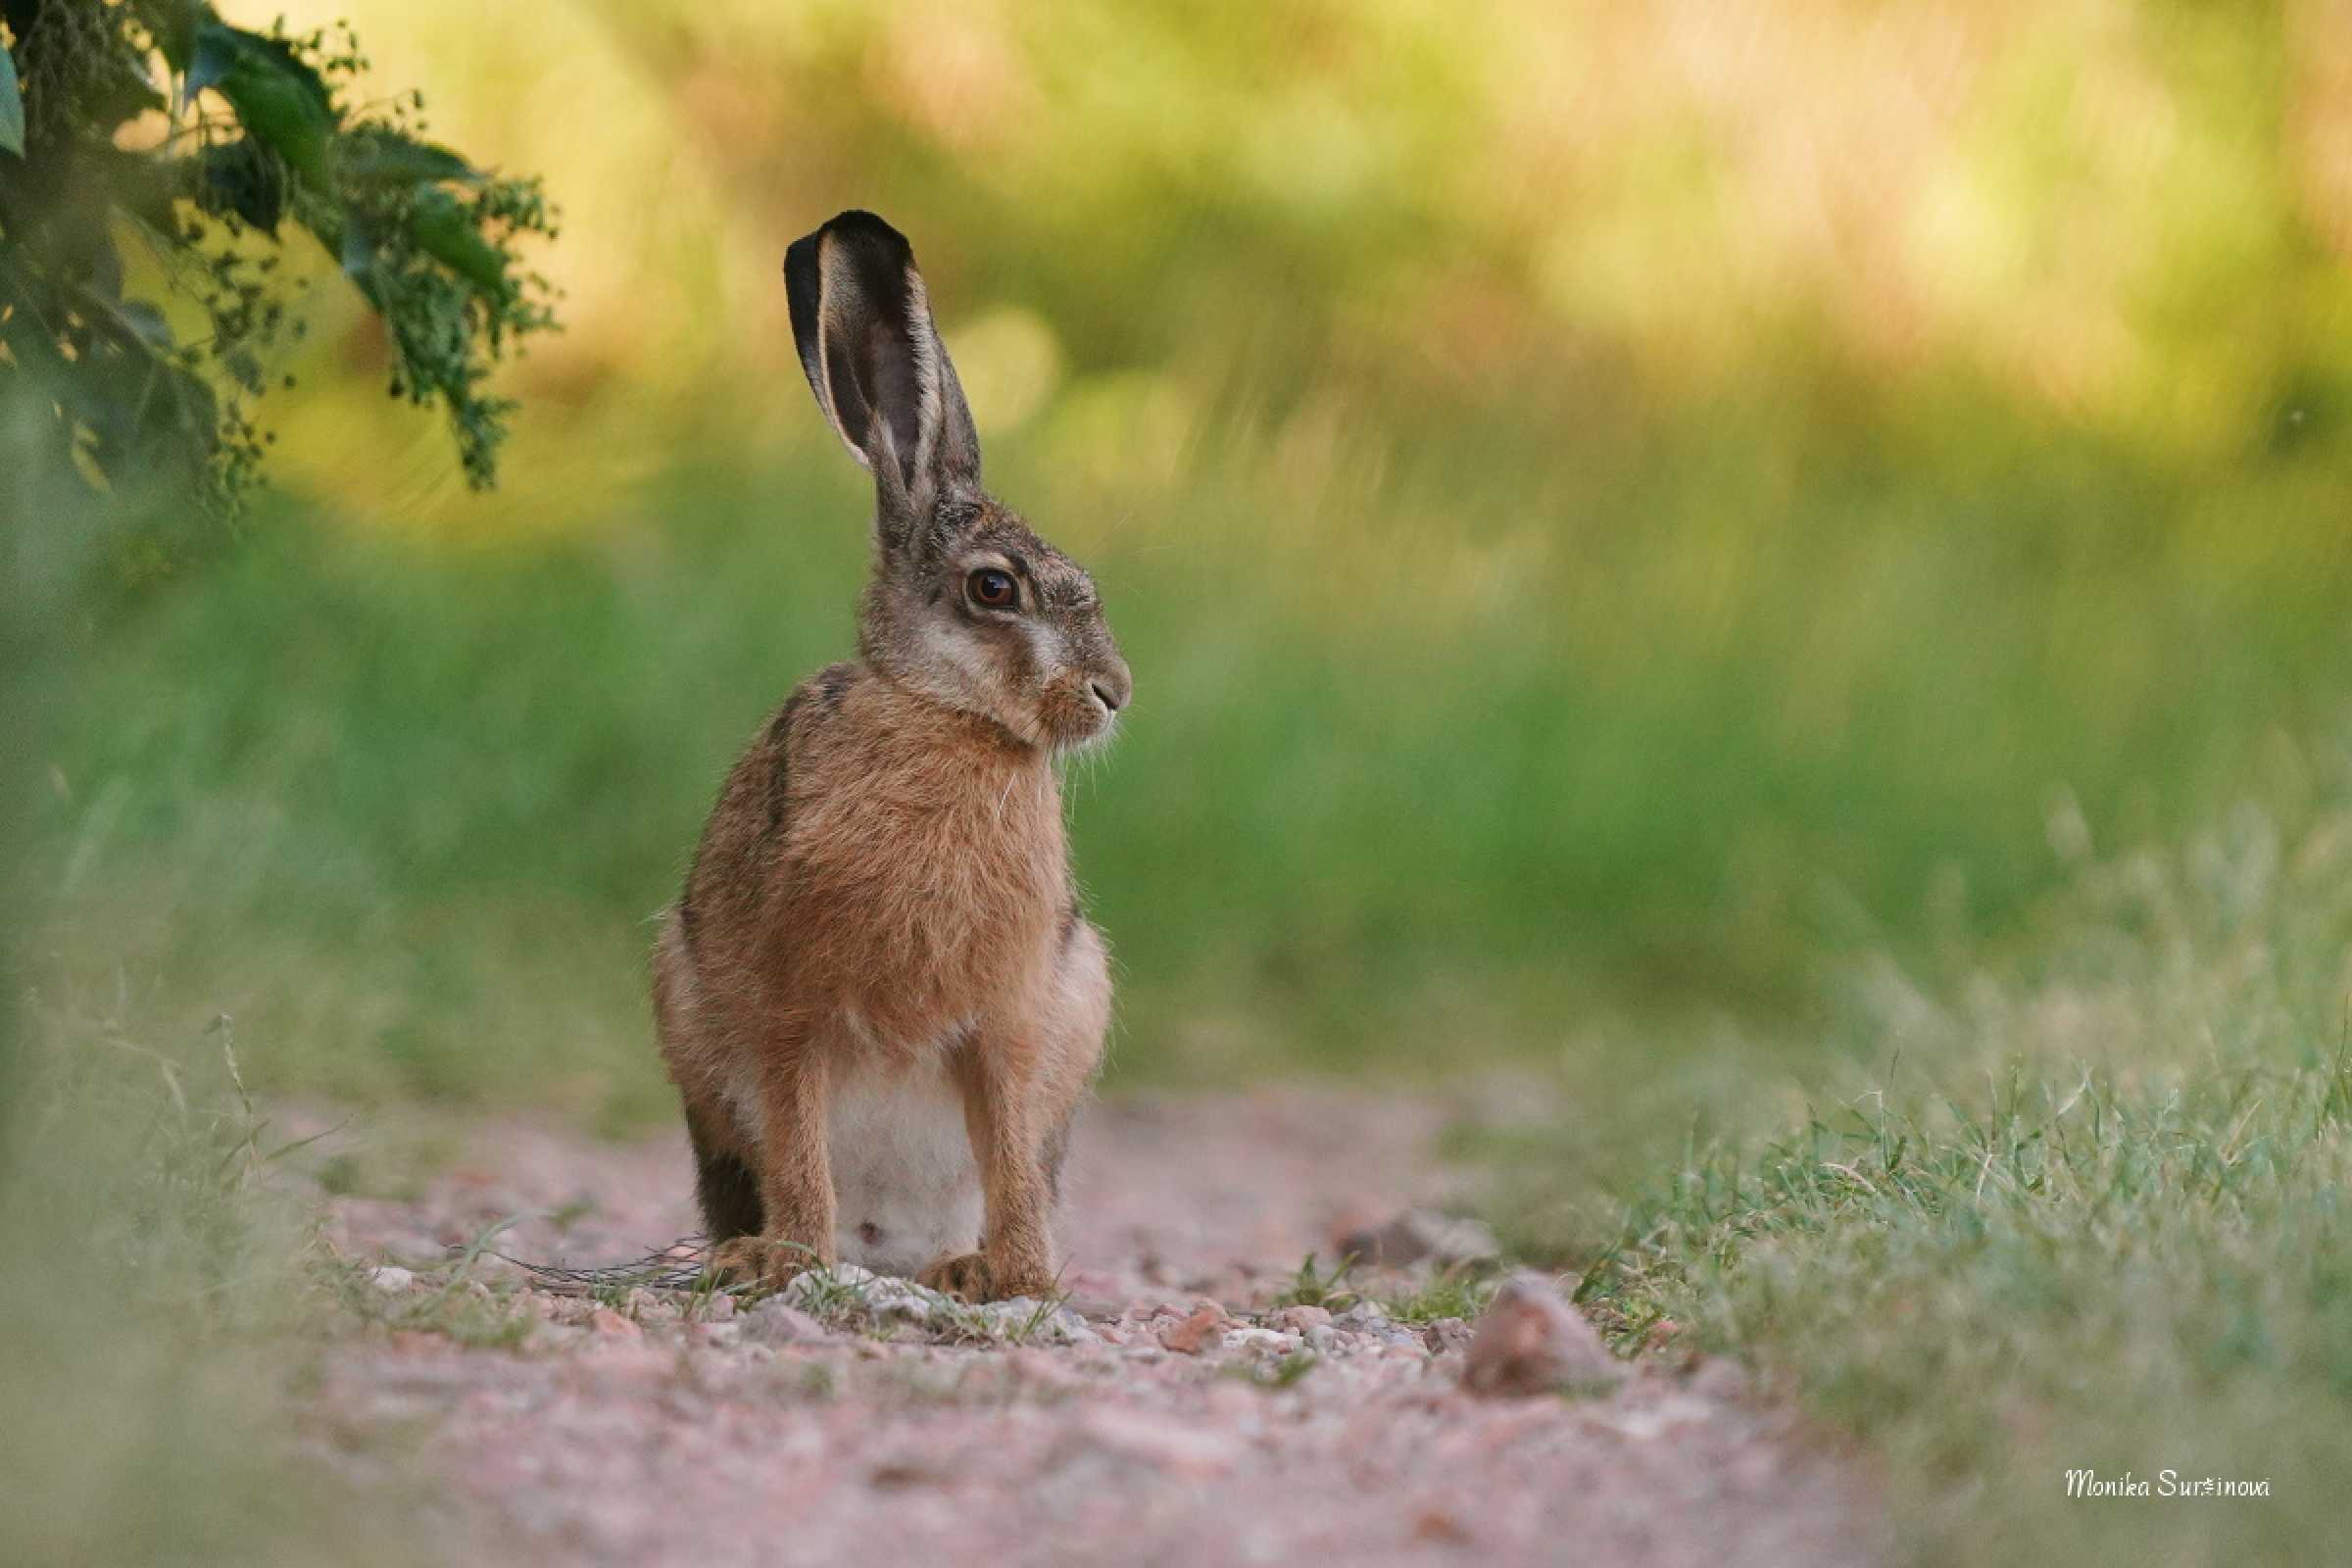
(2128, 218)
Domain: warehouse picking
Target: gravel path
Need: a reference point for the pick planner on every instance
(1167, 1415)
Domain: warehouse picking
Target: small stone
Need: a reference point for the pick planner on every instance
(1323, 1339)
(1447, 1334)
(1530, 1341)
(1299, 1319)
(1661, 1331)
(895, 1473)
(772, 1322)
(1253, 1338)
(1441, 1525)
(1197, 1331)
(1415, 1235)
(607, 1324)
(392, 1279)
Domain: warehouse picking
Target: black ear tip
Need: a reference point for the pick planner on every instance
(877, 250)
(860, 223)
(857, 228)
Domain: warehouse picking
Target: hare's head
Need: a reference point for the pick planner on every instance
(967, 604)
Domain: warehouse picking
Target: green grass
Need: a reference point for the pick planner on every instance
(1315, 1286)
(1457, 1292)
(1421, 775)
(162, 1314)
(2089, 1209)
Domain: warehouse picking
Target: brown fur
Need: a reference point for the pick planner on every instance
(884, 885)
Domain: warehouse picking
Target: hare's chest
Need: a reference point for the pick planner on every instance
(924, 886)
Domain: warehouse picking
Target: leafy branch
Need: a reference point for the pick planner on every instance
(154, 124)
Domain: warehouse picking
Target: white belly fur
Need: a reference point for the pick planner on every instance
(905, 1190)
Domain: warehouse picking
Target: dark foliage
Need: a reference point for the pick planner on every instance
(150, 139)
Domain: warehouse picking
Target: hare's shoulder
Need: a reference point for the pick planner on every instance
(758, 788)
(811, 702)
(733, 861)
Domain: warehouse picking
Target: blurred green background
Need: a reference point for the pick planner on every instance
(1609, 511)
(1768, 577)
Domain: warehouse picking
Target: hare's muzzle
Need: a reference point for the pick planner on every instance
(1112, 687)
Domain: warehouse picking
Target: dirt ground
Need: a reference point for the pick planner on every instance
(1166, 1416)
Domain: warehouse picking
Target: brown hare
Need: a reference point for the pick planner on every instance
(877, 995)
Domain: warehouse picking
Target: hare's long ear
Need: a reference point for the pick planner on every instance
(863, 326)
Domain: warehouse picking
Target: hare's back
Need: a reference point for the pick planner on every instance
(737, 861)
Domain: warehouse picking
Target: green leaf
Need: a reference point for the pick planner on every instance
(279, 101)
(443, 231)
(11, 107)
(380, 156)
(175, 23)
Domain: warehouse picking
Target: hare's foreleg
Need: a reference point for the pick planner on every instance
(795, 1167)
(1022, 1085)
(1009, 1131)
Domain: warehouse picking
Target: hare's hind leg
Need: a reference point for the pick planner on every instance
(726, 1174)
(725, 1187)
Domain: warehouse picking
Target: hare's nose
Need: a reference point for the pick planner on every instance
(1113, 687)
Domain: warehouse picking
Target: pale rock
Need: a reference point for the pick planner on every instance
(1530, 1341)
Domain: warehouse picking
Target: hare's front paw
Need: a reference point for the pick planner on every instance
(976, 1277)
(966, 1275)
(766, 1260)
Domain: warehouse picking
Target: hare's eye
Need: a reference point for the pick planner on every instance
(994, 589)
